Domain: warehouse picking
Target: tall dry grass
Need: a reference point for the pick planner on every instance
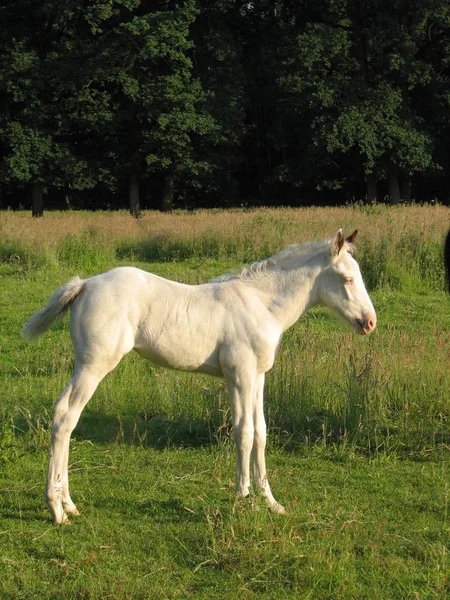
(395, 243)
(267, 225)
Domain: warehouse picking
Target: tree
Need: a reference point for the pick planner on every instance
(354, 72)
(223, 102)
(146, 71)
(99, 92)
(34, 135)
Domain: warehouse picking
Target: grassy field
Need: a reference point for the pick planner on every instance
(359, 429)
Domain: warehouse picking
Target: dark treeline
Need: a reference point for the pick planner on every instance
(161, 104)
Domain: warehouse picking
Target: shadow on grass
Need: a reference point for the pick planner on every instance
(18, 505)
(163, 249)
(155, 431)
(28, 514)
(160, 511)
(33, 509)
(319, 430)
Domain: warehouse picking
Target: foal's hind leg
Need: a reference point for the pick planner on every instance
(65, 417)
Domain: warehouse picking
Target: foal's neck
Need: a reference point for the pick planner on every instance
(289, 294)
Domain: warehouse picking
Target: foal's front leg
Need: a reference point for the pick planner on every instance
(240, 384)
(259, 447)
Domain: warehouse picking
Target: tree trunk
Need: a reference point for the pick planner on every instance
(371, 182)
(37, 198)
(363, 60)
(393, 185)
(168, 192)
(405, 187)
(348, 191)
(133, 195)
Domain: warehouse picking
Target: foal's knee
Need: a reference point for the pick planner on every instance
(243, 435)
(260, 437)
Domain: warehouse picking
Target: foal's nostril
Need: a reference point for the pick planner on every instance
(371, 324)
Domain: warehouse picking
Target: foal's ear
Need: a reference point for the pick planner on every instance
(351, 238)
(337, 244)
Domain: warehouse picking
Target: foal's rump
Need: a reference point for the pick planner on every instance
(105, 316)
(103, 303)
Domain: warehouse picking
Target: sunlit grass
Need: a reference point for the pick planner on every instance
(359, 429)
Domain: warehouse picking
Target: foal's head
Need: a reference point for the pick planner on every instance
(342, 289)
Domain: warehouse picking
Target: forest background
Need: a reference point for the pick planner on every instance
(201, 103)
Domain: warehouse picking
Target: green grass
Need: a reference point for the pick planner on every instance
(163, 524)
(359, 438)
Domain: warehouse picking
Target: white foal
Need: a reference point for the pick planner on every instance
(230, 327)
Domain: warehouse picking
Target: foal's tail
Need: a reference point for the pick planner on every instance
(447, 258)
(55, 308)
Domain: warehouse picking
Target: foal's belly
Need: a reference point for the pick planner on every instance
(182, 359)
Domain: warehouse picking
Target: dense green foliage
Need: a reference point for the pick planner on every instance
(157, 103)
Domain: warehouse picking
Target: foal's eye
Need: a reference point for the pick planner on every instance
(349, 280)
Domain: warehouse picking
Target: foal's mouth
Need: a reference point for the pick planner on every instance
(360, 324)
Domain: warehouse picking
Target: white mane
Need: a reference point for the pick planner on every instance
(291, 257)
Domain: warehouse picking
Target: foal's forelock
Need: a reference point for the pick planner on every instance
(292, 257)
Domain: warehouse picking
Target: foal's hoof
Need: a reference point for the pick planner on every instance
(72, 510)
(278, 509)
(63, 521)
(69, 509)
